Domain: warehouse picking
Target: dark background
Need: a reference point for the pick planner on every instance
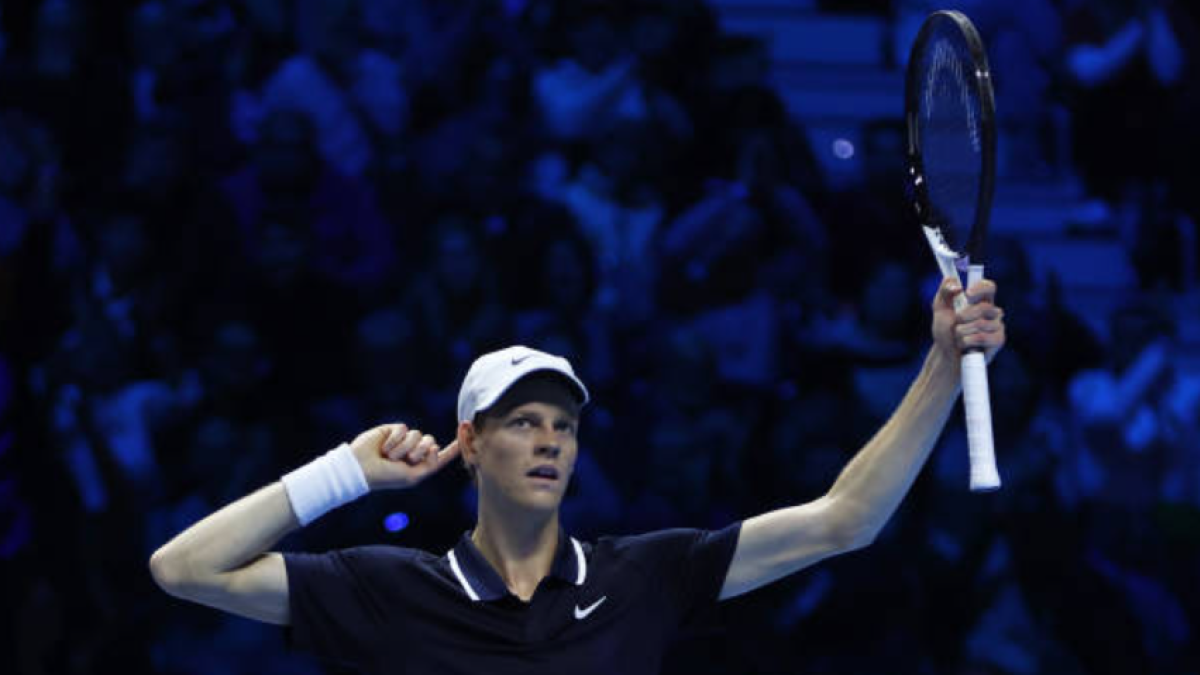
(235, 233)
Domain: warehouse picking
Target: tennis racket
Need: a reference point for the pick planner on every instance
(950, 113)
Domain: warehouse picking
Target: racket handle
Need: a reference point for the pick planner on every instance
(976, 400)
(978, 406)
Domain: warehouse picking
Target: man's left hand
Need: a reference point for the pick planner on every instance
(979, 325)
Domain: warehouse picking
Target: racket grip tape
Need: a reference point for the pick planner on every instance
(978, 407)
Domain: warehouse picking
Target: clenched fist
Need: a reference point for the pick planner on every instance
(395, 456)
(979, 325)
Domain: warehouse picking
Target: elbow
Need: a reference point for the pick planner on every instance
(168, 572)
(161, 570)
(852, 529)
(850, 535)
(857, 538)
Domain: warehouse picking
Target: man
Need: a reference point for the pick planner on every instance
(517, 595)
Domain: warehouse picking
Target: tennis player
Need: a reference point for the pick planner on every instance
(517, 594)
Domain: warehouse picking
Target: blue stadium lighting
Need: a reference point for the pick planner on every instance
(843, 149)
(395, 522)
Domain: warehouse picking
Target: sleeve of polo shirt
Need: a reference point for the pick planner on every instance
(689, 565)
(337, 612)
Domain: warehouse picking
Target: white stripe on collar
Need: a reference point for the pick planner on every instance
(580, 562)
(461, 579)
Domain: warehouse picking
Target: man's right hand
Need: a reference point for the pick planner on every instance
(394, 456)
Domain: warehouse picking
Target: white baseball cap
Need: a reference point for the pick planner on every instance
(493, 373)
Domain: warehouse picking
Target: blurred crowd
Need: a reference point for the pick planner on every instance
(234, 233)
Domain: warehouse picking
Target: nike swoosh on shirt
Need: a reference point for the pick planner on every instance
(517, 361)
(583, 613)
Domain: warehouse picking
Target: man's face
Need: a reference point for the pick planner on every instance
(524, 457)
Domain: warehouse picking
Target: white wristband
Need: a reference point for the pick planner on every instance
(324, 484)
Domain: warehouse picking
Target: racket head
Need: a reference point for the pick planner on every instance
(950, 113)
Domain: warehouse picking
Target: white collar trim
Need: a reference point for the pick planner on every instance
(580, 567)
(580, 562)
(462, 579)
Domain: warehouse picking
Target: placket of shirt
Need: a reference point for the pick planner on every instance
(517, 616)
(549, 613)
(549, 609)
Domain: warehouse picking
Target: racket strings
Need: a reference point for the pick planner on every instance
(946, 61)
(950, 138)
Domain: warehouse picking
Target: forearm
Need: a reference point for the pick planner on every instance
(223, 560)
(871, 486)
(225, 541)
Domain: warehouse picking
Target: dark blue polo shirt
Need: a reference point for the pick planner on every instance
(608, 607)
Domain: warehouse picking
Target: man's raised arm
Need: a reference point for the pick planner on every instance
(223, 560)
(872, 485)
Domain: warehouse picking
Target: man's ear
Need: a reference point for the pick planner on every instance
(467, 439)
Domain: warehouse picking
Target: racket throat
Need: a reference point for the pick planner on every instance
(951, 264)
(949, 261)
